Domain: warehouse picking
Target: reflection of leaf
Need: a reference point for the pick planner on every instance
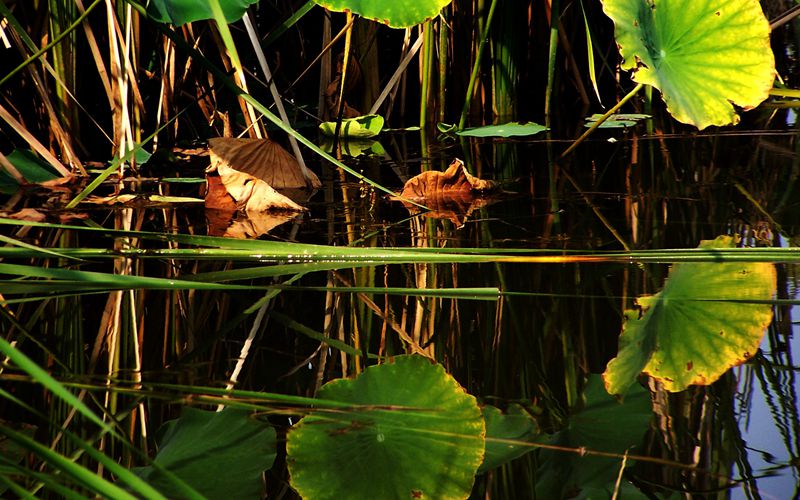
(362, 127)
(503, 130)
(396, 13)
(180, 12)
(239, 225)
(430, 449)
(515, 424)
(140, 200)
(261, 159)
(605, 425)
(37, 215)
(620, 120)
(698, 326)
(453, 194)
(702, 54)
(354, 147)
(219, 454)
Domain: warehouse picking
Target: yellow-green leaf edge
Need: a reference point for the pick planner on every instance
(702, 55)
(697, 354)
(394, 13)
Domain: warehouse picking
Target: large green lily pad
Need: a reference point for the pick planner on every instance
(180, 12)
(394, 13)
(219, 454)
(605, 424)
(708, 318)
(413, 432)
(702, 55)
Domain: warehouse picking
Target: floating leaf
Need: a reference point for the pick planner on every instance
(395, 13)
(362, 127)
(262, 159)
(180, 12)
(219, 454)
(620, 120)
(453, 194)
(515, 424)
(708, 318)
(702, 55)
(234, 190)
(454, 180)
(420, 436)
(510, 129)
(604, 424)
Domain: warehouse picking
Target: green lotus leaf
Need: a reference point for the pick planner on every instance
(219, 454)
(620, 120)
(702, 55)
(515, 424)
(394, 13)
(708, 318)
(510, 129)
(604, 424)
(360, 127)
(413, 433)
(180, 12)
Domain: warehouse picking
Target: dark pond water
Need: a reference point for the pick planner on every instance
(554, 324)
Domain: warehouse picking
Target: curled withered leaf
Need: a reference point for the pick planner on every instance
(232, 190)
(455, 181)
(453, 194)
(262, 159)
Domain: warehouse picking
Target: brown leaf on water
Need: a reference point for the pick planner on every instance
(232, 190)
(453, 182)
(453, 194)
(262, 159)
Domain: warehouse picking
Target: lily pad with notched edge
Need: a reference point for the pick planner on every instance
(702, 55)
(413, 432)
(219, 454)
(511, 129)
(394, 13)
(708, 318)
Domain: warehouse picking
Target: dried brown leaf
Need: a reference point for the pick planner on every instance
(262, 159)
(455, 181)
(453, 194)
